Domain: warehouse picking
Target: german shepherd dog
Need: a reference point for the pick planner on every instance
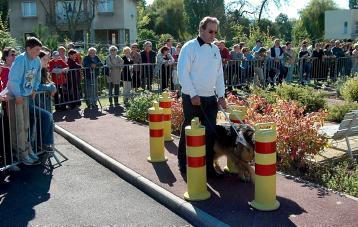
(239, 147)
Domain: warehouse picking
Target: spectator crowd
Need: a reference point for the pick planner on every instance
(66, 76)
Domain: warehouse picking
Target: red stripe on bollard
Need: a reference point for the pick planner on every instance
(166, 117)
(265, 148)
(196, 162)
(195, 141)
(155, 117)
(156, 132)
(165, 104)
(235, 121)
(265, 170)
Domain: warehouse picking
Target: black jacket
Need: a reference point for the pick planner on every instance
(126, 73)
(152, 56)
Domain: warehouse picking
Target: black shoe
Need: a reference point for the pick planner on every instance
(215, 175)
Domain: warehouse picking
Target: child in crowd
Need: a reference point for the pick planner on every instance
(24, 80)
(40, 113)
(58, 68)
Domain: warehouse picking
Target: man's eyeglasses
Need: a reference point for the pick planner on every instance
(213, 32)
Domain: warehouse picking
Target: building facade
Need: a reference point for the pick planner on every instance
(107, 21)
(341, 24)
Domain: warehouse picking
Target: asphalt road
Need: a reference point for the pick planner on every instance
(80, 193)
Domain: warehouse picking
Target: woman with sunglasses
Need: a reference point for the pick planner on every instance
(8, 57)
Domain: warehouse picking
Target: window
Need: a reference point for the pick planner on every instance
(29, 9)
(345, 27)
(105, 6)
(67, 8)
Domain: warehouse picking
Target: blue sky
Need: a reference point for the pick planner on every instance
(291, 9)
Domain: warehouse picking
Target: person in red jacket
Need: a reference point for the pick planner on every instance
(226, 57)
(8, 57)
(58, 68)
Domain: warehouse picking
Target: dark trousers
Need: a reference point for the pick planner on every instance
(59, 97)
(207, 113)
(5, 147)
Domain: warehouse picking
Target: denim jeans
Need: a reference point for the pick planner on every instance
(42, 126)
(289, 77)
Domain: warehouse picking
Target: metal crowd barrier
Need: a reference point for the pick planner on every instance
(26, 130)
(90, 85)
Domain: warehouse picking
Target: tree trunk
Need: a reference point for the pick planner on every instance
(261, 10)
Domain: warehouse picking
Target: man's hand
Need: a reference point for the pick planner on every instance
(222, 102)
(195, 101)
(33, 95)
(93, 65)
(19, 100)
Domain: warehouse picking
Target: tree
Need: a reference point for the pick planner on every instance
(284, 27)
(353, 4)
(264, 6)
(299, 32)
(6, 40)
(78, 12)
(167, 17)
(312, 17)
(195, 10)
(4, 8)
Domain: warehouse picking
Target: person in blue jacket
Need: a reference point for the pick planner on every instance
(24, 80)
(92, 64)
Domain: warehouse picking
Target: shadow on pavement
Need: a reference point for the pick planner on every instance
(164, 173)
(171, 147)
(68, 116)
(92, 114)
(116, 111)
(237, 212)
(22, 192)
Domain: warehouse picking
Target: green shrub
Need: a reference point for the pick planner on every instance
(270, 96)
(139, 105)
(336, 113)
(349, 90)
(337, 174)
(306, 96)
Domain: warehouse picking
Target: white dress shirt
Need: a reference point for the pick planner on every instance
(200, 69)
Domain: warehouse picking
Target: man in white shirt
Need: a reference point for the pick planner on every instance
(201, 74)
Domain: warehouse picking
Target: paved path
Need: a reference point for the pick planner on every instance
(81, 193)
(127, 142)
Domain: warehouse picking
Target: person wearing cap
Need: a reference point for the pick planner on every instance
(58, 67)
(200, 72)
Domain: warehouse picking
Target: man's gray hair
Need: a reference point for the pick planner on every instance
(147, 43)
(206, 20)
(113, 47)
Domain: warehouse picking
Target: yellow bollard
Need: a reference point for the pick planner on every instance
(156, 140)
(237, 114)
(196, 167)
(265, 167)
(166, 103)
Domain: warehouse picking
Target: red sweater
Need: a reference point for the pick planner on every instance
(4, 77)
(225, 55)
(58, 79)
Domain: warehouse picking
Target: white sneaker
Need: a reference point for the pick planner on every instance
(33, 156)
(28, 161)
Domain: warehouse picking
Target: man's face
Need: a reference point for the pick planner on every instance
(258, 44)
(209, 34)
(337, 44)
(304, 47)
(92, 53)
(33, 52)
(148, 47)
(169, 43)
(277, 43)
(73, 57)
(135, 48)
(289, 46)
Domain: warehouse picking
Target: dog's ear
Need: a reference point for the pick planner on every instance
(249, 135)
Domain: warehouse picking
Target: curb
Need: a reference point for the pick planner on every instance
(186, 210)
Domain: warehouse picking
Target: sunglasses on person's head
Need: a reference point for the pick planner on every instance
(213, 32)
